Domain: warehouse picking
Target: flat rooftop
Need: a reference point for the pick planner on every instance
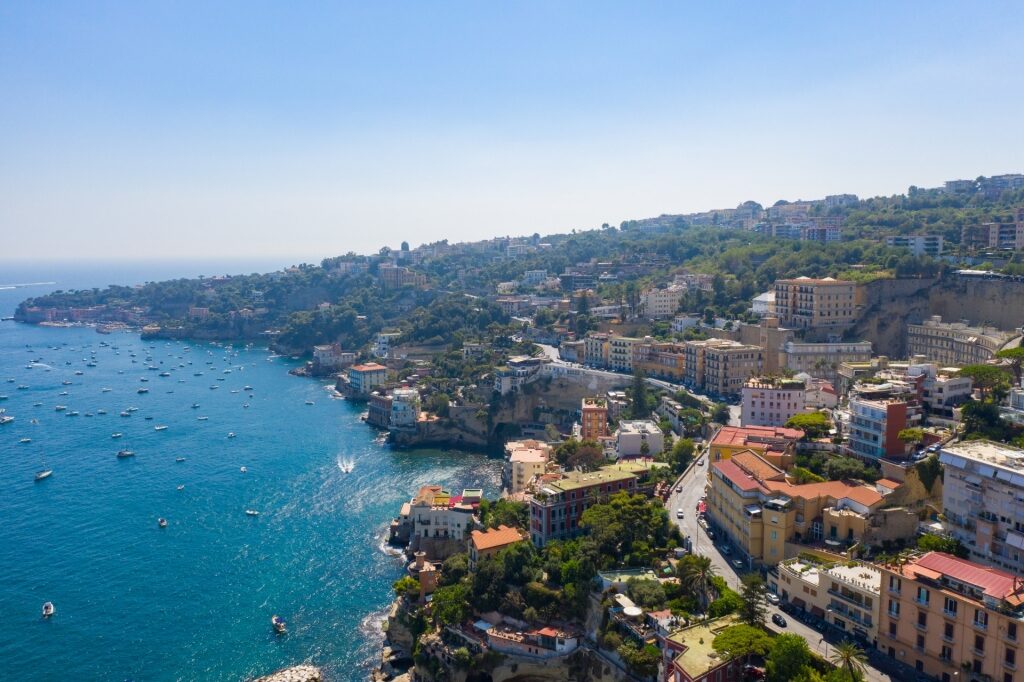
(865, 577)
(699, 657)
(576, 480)
(986, 451)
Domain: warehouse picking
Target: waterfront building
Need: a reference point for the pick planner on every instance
(952, 619)
(330, 357)
(378, 410)
(955, 343)
(382, 343)
(771, 401)
(806, 303)
(983, 501)
(362, 379)
(485, 543)
(405, 408)
(525, 461)
(556, 506)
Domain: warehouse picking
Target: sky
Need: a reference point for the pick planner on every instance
(303, 130)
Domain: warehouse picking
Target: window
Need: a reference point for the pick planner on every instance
(947, 653)
(980, 618)
(947, 632)
(1011, 631)
(892, 629)
(979, 644)
(894, 608)
(923, 596)
(950, 607)
(920, 641)
(922, 619)
(895, 584)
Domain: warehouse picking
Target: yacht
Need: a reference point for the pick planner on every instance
(45, 473)
(125, 453)
(5, 418)
(195, 405)
(160, 428)
(125, 413)
(72, 413)
(252, 512)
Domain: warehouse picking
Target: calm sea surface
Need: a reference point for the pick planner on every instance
(192, 601)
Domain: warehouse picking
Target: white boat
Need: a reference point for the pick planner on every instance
(161, 522)
(310, 402)
(280, 626)
(104, 390)
(243, 469)
(142, 390)
(125, 413)
(45, 473)
(72, 413)
(116, 435)
(160, 428)
(101, 411)
(5, 418)
(181, 487)
(195, 405)
(231, 434)
(49, 609)
(201, 419)
(25, 440)
(252, 512)
(60, 408)
(125, 453)
(179, 459)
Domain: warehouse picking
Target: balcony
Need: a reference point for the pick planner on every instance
(847, 598)
(979, 625)
(949, 614)
(923, 627)
(947, 638)
(893, 615)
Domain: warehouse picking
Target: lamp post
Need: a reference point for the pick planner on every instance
(822, 641)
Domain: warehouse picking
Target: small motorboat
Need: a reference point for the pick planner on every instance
(201, 419)
(105, 390)
(179, 459)
(25, 440)
(245, 405)
(49, 609)
(125, 453)
(231, 434)
(310, 402)
(72, 413)
(162, 522)
(60, 408)
(101, 411)
(149, 419)
(116, 435)
(125, 413)
(142, 390)
(280, 626)
(181, 487)
(44, 474)
(252, 512)
(243, 469)
(195, 405)
(160, 428)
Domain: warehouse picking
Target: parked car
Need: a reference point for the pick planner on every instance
(679, 488)
(773, 599)
(700, 462)
(679, 513)
(778, 620)
(711, 534)
(738, 564)
(726, 550)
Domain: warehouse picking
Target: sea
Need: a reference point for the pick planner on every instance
(192, 600)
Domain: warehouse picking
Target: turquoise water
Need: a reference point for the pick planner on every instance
(193, 600)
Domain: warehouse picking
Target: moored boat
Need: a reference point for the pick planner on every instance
(49, 609)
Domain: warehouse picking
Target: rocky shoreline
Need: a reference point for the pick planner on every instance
(298, 673)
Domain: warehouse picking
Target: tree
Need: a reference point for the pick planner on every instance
(987, 378)
(695, 572)
(720, 413)
(754, 608)
(787, 657)
(850, 659)
(1016, 358)
(407, 587)
(911, 436)
(454, 568)
(938, 543)
(504, 512)
(586, 455)
(813, 424)
(643, 662)
(450, 605)
(740, 641)
(624, 521)
(639, 398)
(681, 454)
(647, 593)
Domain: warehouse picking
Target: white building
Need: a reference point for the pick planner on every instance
(918, 244)
(764, 304)
(382, 344)
(683, 322)
(661, 303)
(532, 278)
(768, 401)
(405, 407)
(983, 501)
(631, 436)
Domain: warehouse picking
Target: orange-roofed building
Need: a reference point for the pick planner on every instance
(485, 543)
(776, 444)
(953, 619)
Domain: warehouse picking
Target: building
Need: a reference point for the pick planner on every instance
(405, 408)
(556, 507)
(660, 360)
(952, 619)
(955, 343)
(525, 460)
(435, 514)
(775, 444)
(382, 343)
(519, 370)
(840, 200)
(771, 401)
(918, 244)
(844, 594)
(620, 352)
(362, 379)
(542, 643)
(998, 236)
(397, 276)
(573, 351)
(960, 186)
(728, 365)
(659, 304)
(198, 314)
(632, 435)
(595, 350)
(594, 418)
(378, 411)
(330, 357)
(763, 304)
(680, 323)
(876, 421)
(485, 543)
(822, 360)
(983, 501)
(532, 278)
(806, 303)
(689, 656)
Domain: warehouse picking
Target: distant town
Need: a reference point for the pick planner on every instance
(717, 428)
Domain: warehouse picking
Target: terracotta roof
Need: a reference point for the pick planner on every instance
(495, 537)
(737, 476)
(861, 494)
(756, 466)
(996, 583)
(740, 435)
(368, 367)
(888, 483)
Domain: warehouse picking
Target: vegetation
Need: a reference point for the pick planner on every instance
(813, 424)
(504, 512)
(583, 456)
(741, 641)
(788, 656)
(754, 603)
(850, 661)
(938, 543)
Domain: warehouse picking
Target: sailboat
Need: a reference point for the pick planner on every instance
(43, 472)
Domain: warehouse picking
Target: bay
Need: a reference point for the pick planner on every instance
(192, 600)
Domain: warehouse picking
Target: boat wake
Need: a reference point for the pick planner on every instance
(346, 465)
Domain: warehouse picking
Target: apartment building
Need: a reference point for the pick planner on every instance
(594, 418)
(486, 543)
(875, 424)
(525, 460)
(660, 304)
(1001, 236)
(728, 365)
(620, 352)
(844, 594)
(771, 401)
(953, 619)
(806, 303)
(595, 350)
(364, 378)
(382, 343)
(378, 410)
(660, 360)
(983, 501)
(434, 513)
(405, 408)
(773, 443)
(556, 507)
(918, 244)
(822, 360)
(955, 343)
(632, 435)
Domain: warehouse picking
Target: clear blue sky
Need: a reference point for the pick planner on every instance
(249, 129)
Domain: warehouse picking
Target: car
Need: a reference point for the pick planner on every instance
(679, 488)
(679, 513)
(726, 550)
(738, 564)
(711, 534)
(700, 462)
(778, 620)
(773, 598)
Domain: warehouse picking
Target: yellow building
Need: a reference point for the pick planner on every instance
(806, 303)
(776, 444)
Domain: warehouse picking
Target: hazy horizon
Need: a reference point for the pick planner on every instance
(259, 131)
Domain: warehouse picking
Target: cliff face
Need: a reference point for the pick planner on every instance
(583, 665)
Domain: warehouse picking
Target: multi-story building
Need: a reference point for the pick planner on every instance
(382, 343)
(526, 460)
(594, 418)
(952, 619)
(840, 200)
(955, 343)
(378, 410)
(405, 408)
(806, 303)
(436, 513)
(485, 543)
(960, 186)
(875, 424)
(658, 304)
(844, 594)
(728, 365)
(532, 278)
(822, 360)
(595, 350)
(556, 507)
(763, 304)
(773, 443)
(771, 401)
(397, 276)
(983, 501)
(362, 379)
(1000, 236)
(918, 244)
(573, 351)
(620, 352)
(660, 360)
(632, 435)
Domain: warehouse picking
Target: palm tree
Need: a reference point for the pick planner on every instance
(696, 577)
(850, 658)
